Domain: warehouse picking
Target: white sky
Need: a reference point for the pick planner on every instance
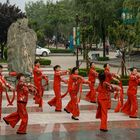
(21, 3)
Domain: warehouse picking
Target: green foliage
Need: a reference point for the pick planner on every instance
(103, 58)
(84, 72)
(40, 36)
(60, 50)
(51, 18)
(3, 61)
(124, 79)
(8, 15)
(99, 70)
(98, 19)
(45, 62)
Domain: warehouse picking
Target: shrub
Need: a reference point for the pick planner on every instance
(84, 72)
(103, 58)
(44, 61)
(99, 70)
(3, 61)
(61, 50)
(124, 80)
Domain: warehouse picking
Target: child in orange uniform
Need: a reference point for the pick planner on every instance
(38, 77)
(91, 96)
(21, 113)
(57, 100)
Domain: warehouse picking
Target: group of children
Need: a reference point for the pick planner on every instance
(101, 94)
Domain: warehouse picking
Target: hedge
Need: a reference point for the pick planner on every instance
(103, 58)
(3, 61)
(84, 72)
(44, 61)
(60, 50)
(124, 80)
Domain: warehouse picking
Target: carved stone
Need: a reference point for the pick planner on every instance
(21, 45)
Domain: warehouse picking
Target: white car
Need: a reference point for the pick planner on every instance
(42, 51)
(118, 53)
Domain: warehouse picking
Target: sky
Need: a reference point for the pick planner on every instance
(21, 3)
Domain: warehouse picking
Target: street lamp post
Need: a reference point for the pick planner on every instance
(123, 68)
(127, 19)
(76, 28)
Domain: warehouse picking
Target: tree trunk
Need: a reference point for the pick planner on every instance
(103, 37)
(2, 51)
(123, 64)
(84, 51)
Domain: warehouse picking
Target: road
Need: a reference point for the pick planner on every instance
(70, 61)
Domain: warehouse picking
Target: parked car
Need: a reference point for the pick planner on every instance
(42, 51)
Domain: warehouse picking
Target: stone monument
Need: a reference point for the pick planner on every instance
(21, 44)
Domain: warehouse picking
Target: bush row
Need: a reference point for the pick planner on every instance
(124, 80)
(60, 50)
(44, 61)
(84, 72)
(103, 58)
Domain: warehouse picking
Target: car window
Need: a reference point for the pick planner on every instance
(38, 47)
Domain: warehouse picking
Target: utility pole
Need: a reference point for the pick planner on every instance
(77, 49)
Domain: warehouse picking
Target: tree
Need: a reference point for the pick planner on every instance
(123, 35)
(51, 18)
(101, 13)
(8, 15)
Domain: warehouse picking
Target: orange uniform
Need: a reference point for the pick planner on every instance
(3, 81)
(91, 96)
(73, 89)
(109, 77)
(57, 101)
(131, 105)
(103, 101)
(21, 113)
(38, 76)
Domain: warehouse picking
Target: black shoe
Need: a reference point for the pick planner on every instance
(133, 117)
(58, 110)
(92, 101)
(21, 133)
(6, 121)
(103, 130)
(49, 104)
(66, 110)
(74, 118)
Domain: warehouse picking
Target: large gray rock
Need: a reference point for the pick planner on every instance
(21, 45)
